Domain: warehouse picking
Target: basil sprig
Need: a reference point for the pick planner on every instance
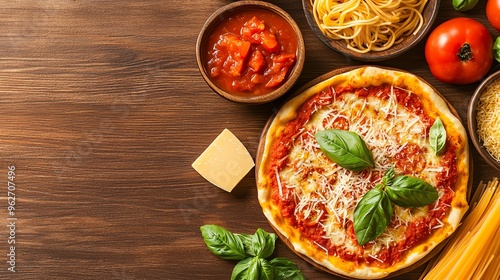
(345, 148)
(437, 136)
(251, 251)
(374, 211)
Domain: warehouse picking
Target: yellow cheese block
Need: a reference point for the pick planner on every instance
(225, 162)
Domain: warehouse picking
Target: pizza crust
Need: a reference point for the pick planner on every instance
(434, 106)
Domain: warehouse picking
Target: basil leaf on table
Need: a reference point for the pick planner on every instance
(345, 148)
(263, 243)
(266, 271)
(251, 251)
(437, 136)
(464, 5)
(285, 269)
(407, 191)
(247, 243)
(223, 243)
(496, 49)
(247, 269)
(372, 215)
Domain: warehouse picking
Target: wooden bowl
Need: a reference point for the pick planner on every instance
(472, 120)
(225, 12)
(429, 15)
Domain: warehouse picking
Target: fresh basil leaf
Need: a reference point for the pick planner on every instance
(388, 176)
(345, 148)
(372, 215)
(266, 271)
(247, 269)
(285, 269)
(437, 136)
(223, 243)
(247, 243)
(408, 191)
(496, 49)
(464, 5)
(263, 243)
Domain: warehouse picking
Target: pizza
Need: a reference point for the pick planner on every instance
(311, 200)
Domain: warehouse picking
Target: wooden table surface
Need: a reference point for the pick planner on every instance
(103, 110)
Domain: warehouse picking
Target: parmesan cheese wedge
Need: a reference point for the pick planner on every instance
(225, 162)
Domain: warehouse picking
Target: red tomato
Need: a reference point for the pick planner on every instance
(493, 13)
(459, 51)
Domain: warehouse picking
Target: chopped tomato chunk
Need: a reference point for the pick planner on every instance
(252, 28)
(284, 58)
(237, 51)
(269, 42)
(277, 78)
(256, 61)
(279, 68)
(256, 79)
(254, 31)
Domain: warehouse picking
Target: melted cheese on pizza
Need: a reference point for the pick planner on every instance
(327, 194)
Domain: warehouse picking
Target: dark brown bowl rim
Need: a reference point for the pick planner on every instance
(396, 50)
(236, 7)
(472, 121)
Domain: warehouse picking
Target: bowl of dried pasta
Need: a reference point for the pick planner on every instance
(483, 119)
(371, 30)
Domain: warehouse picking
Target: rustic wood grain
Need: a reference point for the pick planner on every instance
(103, 111)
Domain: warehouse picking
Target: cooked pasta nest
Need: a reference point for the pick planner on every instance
(369, 25)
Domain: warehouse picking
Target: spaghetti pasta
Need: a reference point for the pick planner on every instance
(369, 25)
(473, 252)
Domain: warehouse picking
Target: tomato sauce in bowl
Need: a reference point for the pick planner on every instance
(250, 52)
